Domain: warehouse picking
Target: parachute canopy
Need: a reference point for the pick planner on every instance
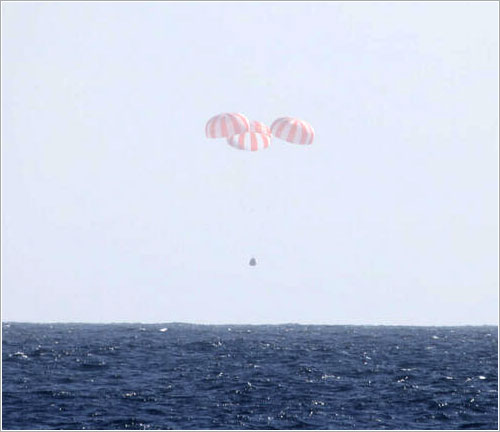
(244, 134)
(293, 130)
(226, 125)
(259, 127)
(252, 141)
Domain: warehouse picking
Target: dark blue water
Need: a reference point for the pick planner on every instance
(178, 376)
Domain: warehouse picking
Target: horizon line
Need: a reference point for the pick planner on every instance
(246, 324)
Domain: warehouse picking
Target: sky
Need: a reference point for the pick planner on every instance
(117, 208)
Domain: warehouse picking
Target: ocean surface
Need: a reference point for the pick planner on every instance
(181, 376)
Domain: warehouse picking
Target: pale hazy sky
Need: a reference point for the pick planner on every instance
(115, 207)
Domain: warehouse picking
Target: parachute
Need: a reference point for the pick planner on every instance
(244, 134)
(293, 130)
(252, 141)
(226, 125)
(259, 127)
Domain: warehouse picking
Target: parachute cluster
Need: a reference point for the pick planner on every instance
(244, 134)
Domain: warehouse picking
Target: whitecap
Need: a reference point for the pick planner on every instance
(481, 377)
(325, 376)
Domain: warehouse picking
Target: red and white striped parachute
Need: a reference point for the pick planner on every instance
(252, 136)
(259, 127)
(293, 130)
(226, 125)
(252, 141)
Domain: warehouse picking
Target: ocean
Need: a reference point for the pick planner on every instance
(182, 376)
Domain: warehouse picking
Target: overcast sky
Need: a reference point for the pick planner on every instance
(116, 207)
